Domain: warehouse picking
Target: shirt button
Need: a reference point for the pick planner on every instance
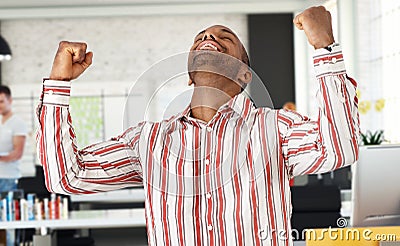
(209, 129)
(333, 60)
(51, 92)
(209, 227)
(263, 235)
(207, 161)
(208, 195)
(321, 62)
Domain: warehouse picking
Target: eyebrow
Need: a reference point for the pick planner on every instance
(222, 29)
(229, 31)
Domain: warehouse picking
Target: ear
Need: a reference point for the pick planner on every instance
(244, 75)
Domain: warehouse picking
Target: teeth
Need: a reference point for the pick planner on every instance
(208, 45)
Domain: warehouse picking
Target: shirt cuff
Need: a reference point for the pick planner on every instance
(329, 62)
(56, 92)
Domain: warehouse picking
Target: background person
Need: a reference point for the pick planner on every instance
(13, 132)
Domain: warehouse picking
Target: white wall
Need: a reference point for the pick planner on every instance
(123, 46)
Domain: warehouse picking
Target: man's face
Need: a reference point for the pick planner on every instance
(5, 104)
(215, 51)
(218, 38)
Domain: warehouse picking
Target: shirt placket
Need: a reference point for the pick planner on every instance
(208, 130)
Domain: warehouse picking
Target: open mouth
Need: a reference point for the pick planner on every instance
(209, 45)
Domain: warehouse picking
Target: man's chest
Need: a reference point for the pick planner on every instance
(6, 135)
(189, 160)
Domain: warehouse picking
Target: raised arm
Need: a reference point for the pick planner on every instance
(104, 166)
(331, 141)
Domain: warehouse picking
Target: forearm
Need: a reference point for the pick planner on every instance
(101, 167)
(338, 120)
(14, 155)
(56, 149)
(330, 142)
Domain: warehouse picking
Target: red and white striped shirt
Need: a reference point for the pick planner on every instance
(225, 182)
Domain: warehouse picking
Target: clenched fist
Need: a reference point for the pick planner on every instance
(71, 61)
(317, 25)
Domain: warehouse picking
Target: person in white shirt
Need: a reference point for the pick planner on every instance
(13, 131)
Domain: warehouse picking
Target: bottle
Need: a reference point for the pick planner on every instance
(4, 209)
(31, 203)
(10, 215)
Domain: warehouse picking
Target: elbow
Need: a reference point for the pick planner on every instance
(65, 186)
(349, 155)
(350, 159)
(354, 156)
(351, 151)
(57, 188)
(341, 156)
(18, 155)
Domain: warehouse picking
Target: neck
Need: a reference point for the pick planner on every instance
(6, 116)
(206, 101)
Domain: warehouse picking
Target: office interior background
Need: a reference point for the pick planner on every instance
(129, 36)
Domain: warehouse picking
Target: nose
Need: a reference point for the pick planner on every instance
(208, 35)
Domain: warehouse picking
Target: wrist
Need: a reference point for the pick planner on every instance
(59, 76)
(331, 46)
(325, 42)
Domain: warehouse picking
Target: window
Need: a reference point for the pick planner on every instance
(379, 65)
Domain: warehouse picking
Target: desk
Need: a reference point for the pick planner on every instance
(85, 219)
(113, 218)
(127, 196)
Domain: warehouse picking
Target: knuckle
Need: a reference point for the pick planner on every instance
(79, 46)
(315, 9)
(83, 45)
(63, 44)
(312, 9)
(307, 15)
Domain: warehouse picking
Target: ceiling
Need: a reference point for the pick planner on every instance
(17, 9)
(74, 3)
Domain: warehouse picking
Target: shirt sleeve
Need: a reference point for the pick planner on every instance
(331, 141)
(104, 166)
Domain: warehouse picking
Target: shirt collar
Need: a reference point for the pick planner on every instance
(240, 104)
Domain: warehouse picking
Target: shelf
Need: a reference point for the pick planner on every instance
(111, 218)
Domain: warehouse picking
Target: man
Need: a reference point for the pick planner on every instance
(13, 133)
(217, 173)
